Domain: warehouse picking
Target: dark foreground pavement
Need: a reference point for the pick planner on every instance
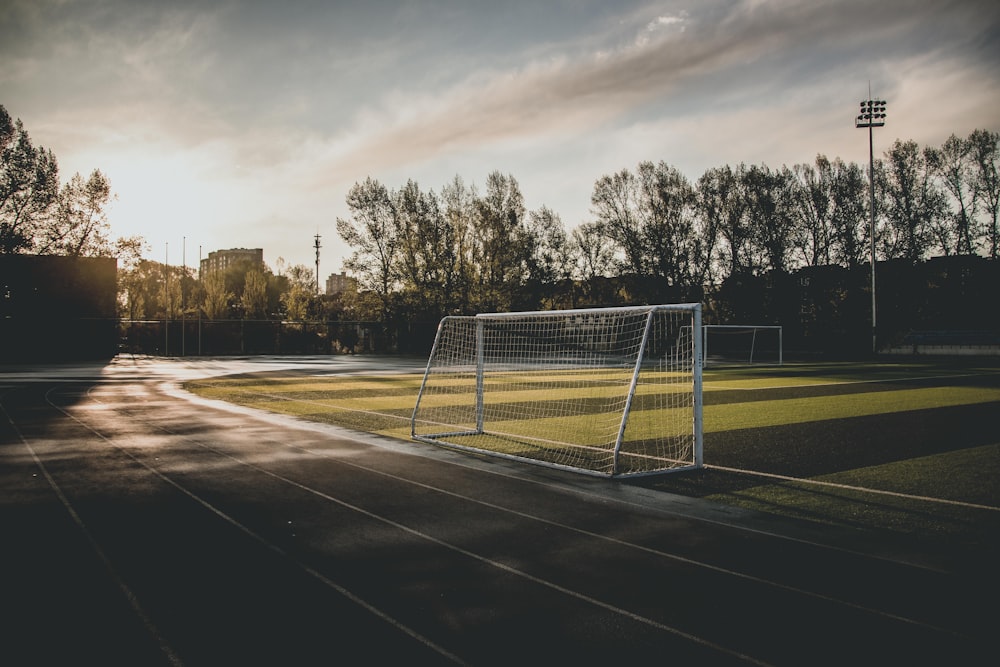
(140, 526)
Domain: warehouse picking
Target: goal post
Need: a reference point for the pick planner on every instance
(605, 391)
(743, 344)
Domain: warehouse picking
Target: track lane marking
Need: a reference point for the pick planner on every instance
(539, 519)
(123, 587)
(266, 543)
(406, 529)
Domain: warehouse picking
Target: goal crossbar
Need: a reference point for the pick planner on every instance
(605, 391)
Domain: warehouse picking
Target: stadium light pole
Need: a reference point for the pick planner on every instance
(871, 115)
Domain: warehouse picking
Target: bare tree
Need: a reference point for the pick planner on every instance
(667, 210)
(913, 202)
(771, 222)
(953, 165)
(812, 207)
(849, 217)
(594, 258)
(548, 254)
(615, 206)
(548, 263)
(985, 149)
(723, 209)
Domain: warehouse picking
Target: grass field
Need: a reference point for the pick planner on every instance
(909, 447)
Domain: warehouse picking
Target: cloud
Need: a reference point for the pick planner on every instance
(659, 26)
(291, 104)
(576, 94)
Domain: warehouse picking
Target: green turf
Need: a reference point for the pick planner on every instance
(919, 429)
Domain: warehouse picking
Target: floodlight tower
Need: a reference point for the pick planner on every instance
(871, 115)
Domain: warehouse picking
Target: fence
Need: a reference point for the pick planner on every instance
(201, 337)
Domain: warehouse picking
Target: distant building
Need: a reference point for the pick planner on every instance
(338, 283)
(220, 260)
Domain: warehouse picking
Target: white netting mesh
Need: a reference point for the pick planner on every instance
(554, 387)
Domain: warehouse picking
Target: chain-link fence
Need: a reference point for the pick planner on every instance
(201, 337)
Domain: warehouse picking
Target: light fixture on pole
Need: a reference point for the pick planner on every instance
(871, 115)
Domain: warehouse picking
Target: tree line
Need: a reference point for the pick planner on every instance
(39, 215)
(152, 290)
(657, 236)
(654, 235)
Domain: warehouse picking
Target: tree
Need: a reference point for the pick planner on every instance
(985, 150)
(136, 290)
(849, 217)
(812, 206)
(913, 201)
(254, 298)
(217, 297)
(650, 216)
(615, 208)
(372, 232)
(427, 253)
(79, 224)
(722, 206)
(666, 215)
(40, 217)
(500, 249)
(458, 204)
(771, 222)
(954, 167)
(300, 301)
(593, 260)
(548, 261)
(29, 186)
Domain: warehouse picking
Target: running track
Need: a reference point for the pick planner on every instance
(142, 526)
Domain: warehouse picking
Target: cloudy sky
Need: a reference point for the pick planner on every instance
(244, 123)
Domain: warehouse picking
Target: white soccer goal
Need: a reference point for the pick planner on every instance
(606, 391)
(742, 344)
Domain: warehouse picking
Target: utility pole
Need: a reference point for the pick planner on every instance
(871, 115)
(183, 302)
(166, 299)
(317, 245)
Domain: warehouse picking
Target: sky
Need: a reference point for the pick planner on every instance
(245, 123)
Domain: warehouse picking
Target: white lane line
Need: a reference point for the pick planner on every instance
(269, 545)
(130, 596)
(532, 517)
(848, 487)
(424, 536)
(370, 440)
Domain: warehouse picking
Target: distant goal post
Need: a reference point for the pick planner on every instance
(743, 344)
(611, 392)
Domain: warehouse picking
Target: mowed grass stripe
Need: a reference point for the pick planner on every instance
(334, 387)
(802, 410)
(724, 417)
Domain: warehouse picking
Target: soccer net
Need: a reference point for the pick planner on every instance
(610, 391)
(742, 344)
